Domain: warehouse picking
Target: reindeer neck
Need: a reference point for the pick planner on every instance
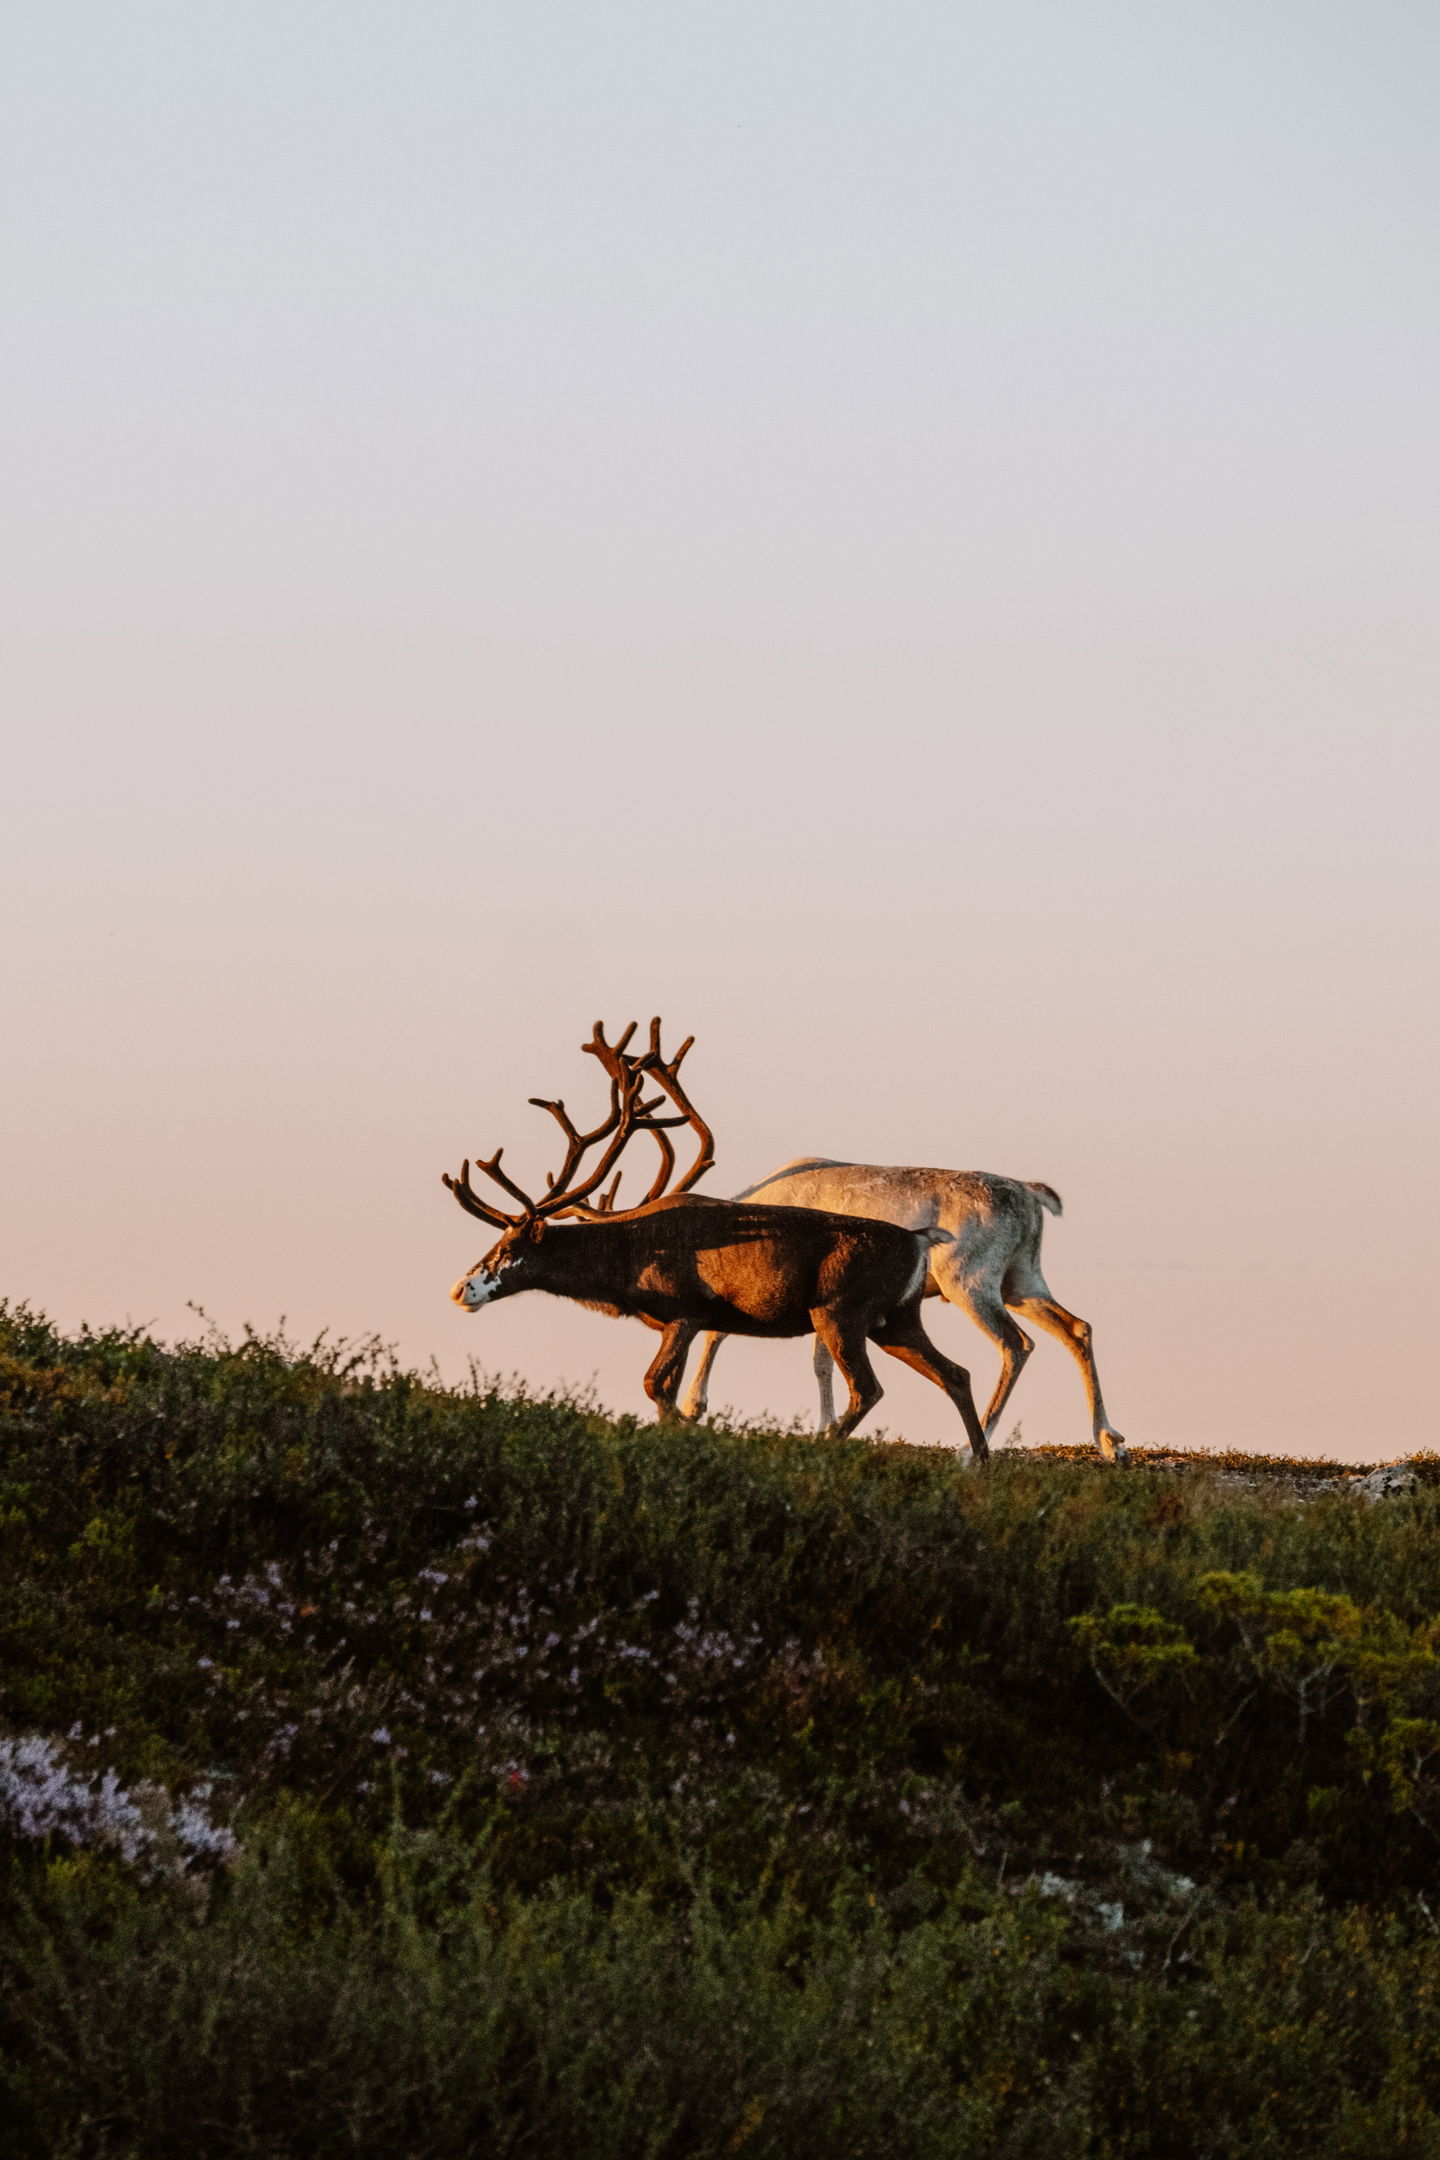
(571, 1254)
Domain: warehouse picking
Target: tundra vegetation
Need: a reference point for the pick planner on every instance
(391, 1769)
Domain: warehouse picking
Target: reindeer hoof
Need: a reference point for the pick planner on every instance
(1113, 1449)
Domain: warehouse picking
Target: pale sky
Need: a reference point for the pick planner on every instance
(901, 537)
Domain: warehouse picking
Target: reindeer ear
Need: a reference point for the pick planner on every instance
(537, 1230)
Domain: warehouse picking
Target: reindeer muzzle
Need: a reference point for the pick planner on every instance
(473, 1291)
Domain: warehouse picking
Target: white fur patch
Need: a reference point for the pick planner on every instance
(472, 1290)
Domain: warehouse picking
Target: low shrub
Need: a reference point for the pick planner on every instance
(499, 1775)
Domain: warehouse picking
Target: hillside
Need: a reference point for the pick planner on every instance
(392, 1770)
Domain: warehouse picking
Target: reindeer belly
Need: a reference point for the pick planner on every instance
(728, 1319)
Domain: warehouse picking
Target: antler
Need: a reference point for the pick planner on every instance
(668, 1077)
(627, 1110)
(652, 1061)
(470, 1200)
(627, 1113)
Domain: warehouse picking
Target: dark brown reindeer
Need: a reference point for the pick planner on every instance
(683, 1262)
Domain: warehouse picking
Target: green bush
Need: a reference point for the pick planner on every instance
(607, 1789)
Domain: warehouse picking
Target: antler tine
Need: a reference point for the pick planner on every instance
(657, 1056)
(668, 1077)
(667, 1158)
(470, 1200)
(557, 1110)
(603, 1204)
(611, 1055)
(577, 1142)
(492, 1169)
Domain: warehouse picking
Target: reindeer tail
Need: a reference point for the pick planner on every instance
(1046, 1195)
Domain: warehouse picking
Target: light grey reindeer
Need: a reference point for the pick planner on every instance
(993, 1263)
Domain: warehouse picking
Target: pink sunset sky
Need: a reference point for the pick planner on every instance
(903, 538)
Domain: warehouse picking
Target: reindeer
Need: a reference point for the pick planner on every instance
(684, 1262)
(991, 1261)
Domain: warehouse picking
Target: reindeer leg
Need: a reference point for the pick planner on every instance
(662, 1381)
(1015, 1347)
(697, 1395)
(1043, 1312)
(902, 1336)
(825, 1374)
(982, 1303)
(845, 1342)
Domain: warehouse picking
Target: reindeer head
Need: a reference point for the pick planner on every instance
(503, 1270)
(516, 1262)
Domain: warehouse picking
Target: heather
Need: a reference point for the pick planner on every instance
(393, 1769)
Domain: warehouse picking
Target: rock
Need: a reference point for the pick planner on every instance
(1386, 1482)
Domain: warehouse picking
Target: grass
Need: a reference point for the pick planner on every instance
(597, 1789)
